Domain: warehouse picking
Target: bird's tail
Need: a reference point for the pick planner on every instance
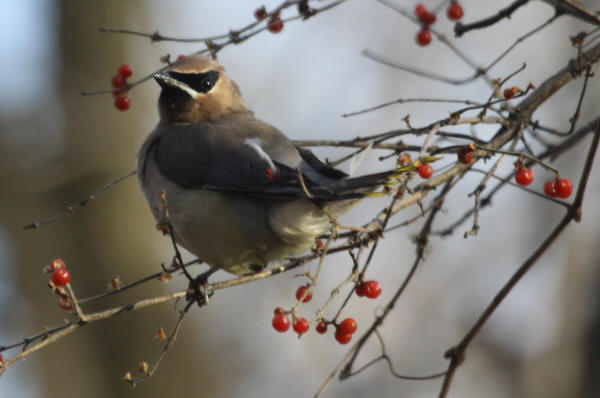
(368, 185)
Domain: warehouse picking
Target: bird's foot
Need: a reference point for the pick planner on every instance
(198, 291)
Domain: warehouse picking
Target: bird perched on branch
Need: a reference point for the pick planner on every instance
(233, 189)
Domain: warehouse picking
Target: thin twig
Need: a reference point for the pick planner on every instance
(130, 285)
(409, 100)
(428, 139)
(460, 28)
(83, 202)
(418, 71)
(170, 340)
(575, 116)
(64, 330)
(212, 46)
(518, 41)
(384, 356)
(482, 184)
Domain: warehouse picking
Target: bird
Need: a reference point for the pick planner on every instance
(234, 190)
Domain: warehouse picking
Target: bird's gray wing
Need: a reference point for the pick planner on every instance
(316, 164)
(240, 155)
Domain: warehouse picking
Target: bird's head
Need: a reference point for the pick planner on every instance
(196, 90)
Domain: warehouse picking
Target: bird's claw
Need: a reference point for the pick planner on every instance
(198, 290)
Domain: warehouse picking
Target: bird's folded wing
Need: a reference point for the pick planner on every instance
(255, 160)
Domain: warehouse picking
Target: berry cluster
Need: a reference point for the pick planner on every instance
(275, 24)
(427, 18)
(60, 277)
(281, 323)
(558, 187)
(343, 330)
(60, 274)
(370, 289)
(122, 99)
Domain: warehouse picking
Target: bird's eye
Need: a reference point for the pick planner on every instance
(201, 82)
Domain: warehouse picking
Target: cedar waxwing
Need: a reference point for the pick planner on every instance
(237, 192)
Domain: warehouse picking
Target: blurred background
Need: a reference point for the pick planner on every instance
(58, 146)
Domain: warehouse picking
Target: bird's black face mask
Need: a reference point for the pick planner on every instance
(200, 82)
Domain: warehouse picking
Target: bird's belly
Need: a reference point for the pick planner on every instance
(228, 232)
(239, 234)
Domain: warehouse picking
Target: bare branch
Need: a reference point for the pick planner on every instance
(82, 203)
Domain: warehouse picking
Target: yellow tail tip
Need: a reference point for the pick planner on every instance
(374, 194)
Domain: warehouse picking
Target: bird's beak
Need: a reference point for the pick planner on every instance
(165, 80)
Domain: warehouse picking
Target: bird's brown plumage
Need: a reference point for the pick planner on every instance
(236, 188)
(176, 106)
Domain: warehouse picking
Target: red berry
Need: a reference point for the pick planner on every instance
(278, 311)
(343, 338)
(455, 11)
(321, 327)
(61, 277)
(300, 293)
(425, 170)
(122, 103)
(275, 25)
(260, 13)
(64, 304)
(466, 155)
(423, 38)
(125, 71)
(428, 18)
(347, 326)
(360, 289)
(57, 263)
(118, 81)
(280, 323)
(510, 92)
(563, 188)
(301, 325)
(550, 188)
(1, 358)
(524, 176)
(372, 289)
(420, 10)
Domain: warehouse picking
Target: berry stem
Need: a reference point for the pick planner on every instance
(517, 154)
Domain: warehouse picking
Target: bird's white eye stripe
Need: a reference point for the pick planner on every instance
(254, 143)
